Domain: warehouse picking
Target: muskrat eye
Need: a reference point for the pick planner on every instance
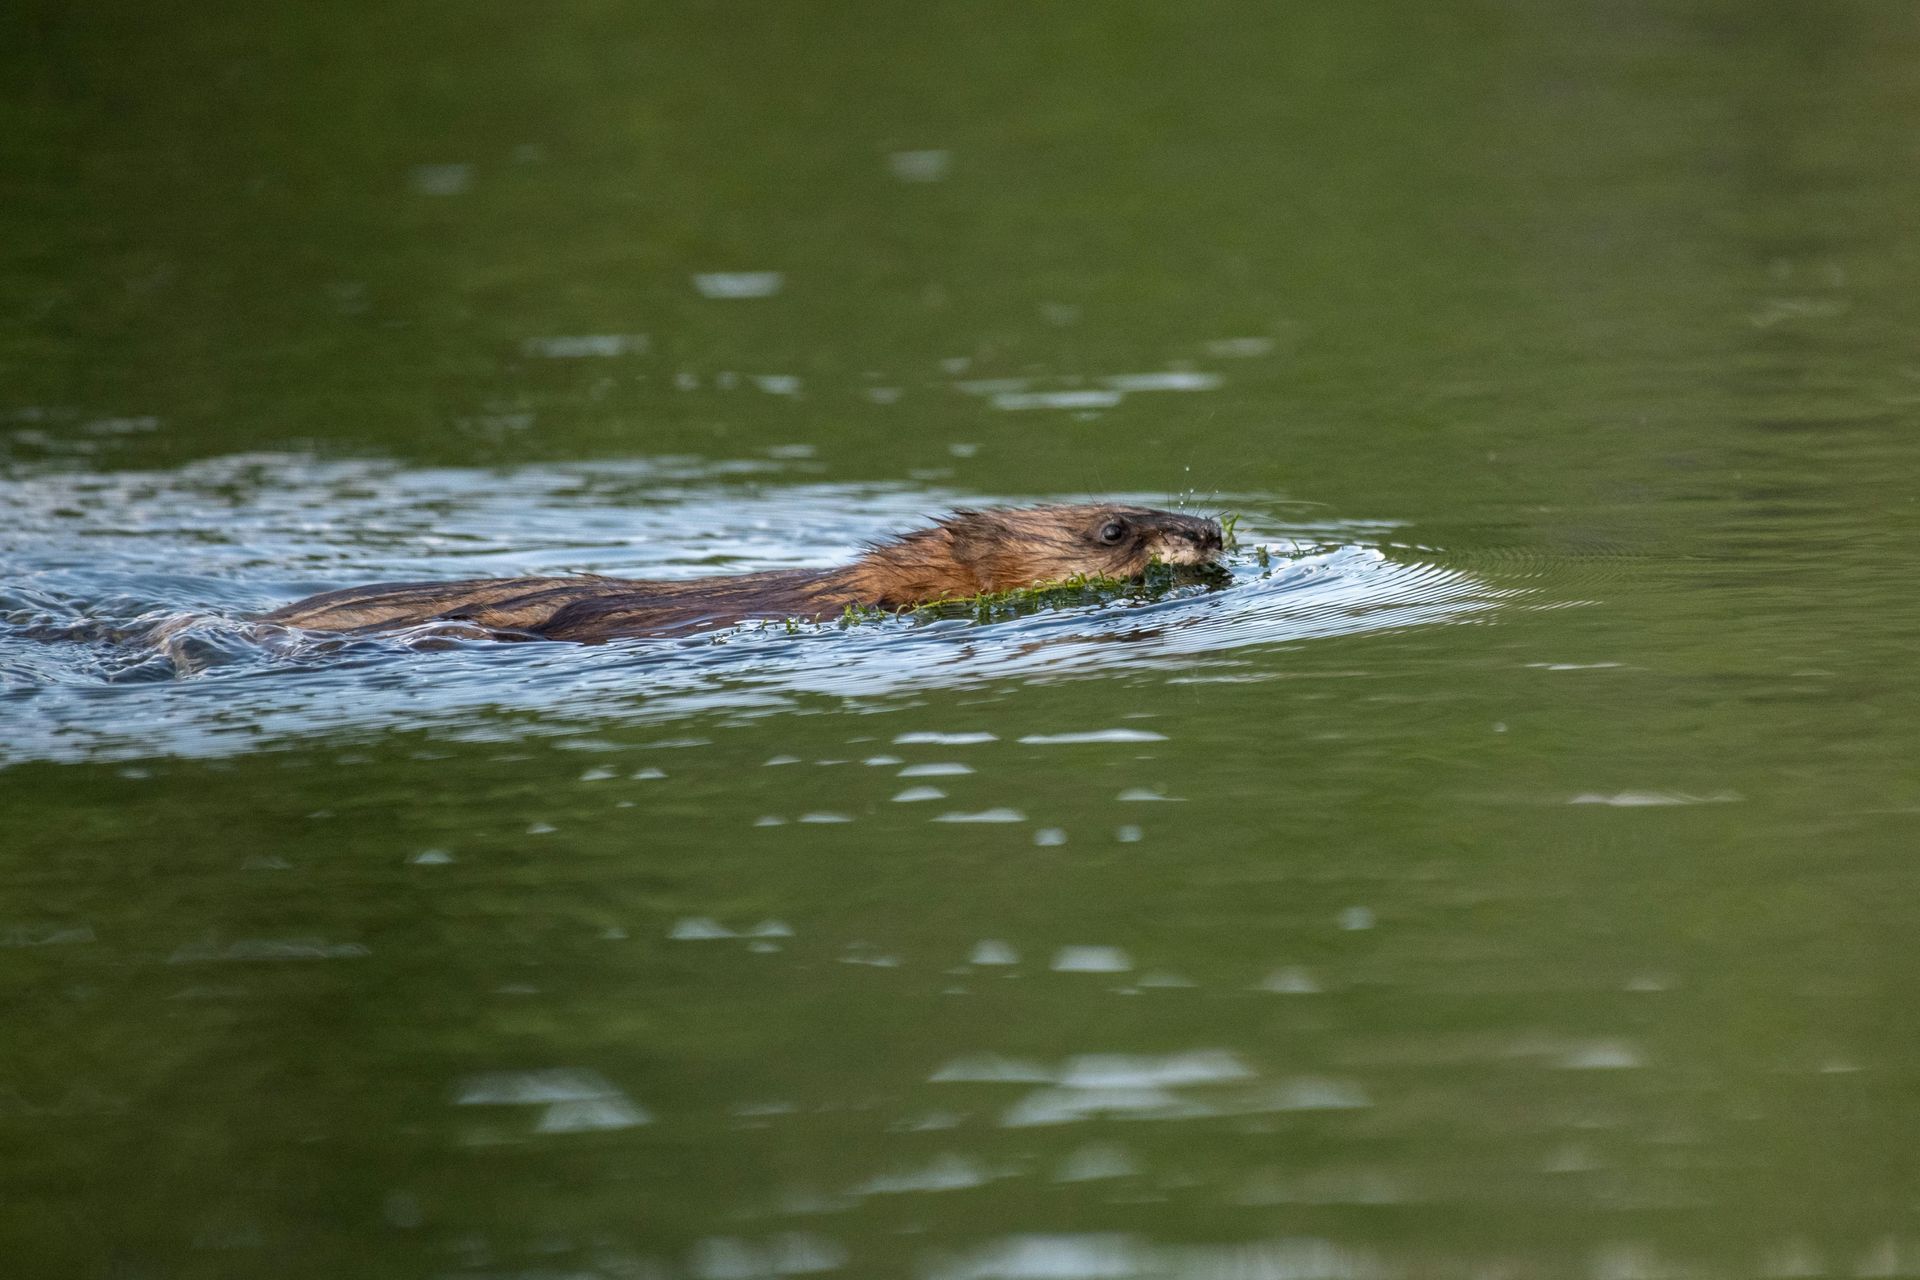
(1112, 531)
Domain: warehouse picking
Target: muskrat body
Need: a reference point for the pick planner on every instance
(965, 554)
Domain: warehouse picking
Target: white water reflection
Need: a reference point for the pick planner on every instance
(948, 1172)
(572, 1100)
(984, 815)
(1195, 1085)
(920, 166)
(1091, 959)
(1164, 380)
(990, 951)
(1652, 799)
(587, 346)
(590, 1115)
(1601, 1055)
(1016, 394)
(1120, 1257)
(1094, 1162)
(1239, 348)
(699, 929)
(1292, 981)
(1065, 1106)
(739, 284)
(534, 1088)
(988, 1068)
(441, 179)
(789, 1254)
(221, 539)
(1085, 398)
(1115, 1071)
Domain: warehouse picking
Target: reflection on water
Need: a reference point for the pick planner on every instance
(213, 542)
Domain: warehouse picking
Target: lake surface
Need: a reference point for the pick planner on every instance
(1507, 873)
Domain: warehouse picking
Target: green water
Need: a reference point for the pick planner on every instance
(1533, 903)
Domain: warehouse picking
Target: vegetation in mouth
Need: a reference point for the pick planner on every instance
(1229, 539)
(1159, 580)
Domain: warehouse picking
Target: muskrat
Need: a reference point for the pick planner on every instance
(967, 553)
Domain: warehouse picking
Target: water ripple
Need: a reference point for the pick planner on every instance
(93, 557)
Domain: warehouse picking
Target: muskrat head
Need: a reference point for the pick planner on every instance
(1022, 547)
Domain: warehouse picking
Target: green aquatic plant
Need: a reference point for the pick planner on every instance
(997, 606)
(855, 614)
(1229, 539)
(1076, 592)
(989, 606)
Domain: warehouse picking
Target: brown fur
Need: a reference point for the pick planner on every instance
(965, 554)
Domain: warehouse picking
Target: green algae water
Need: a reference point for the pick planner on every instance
(1506, 870)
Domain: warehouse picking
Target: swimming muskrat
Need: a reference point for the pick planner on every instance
(964, 554)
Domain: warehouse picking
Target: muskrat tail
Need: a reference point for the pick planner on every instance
(152, 629)
(86, 631)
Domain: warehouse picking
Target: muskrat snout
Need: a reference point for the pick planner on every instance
(1187, 539)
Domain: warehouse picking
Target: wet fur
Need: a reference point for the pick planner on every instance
(966, 554)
